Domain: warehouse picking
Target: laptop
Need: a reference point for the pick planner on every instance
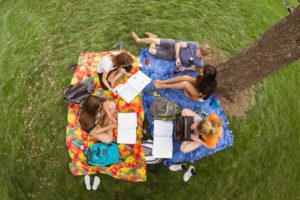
(183, 129)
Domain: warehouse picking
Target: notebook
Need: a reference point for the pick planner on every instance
(135, 84)
(162, 139)
(127, 124)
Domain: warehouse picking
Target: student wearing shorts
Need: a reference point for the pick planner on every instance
(188, 55)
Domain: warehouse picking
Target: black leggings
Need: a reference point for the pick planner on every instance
(100, 75)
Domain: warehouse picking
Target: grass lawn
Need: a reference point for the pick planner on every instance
(40, 38)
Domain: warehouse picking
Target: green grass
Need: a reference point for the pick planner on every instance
(39, 39)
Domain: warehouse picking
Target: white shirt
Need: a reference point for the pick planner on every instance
(105, 64)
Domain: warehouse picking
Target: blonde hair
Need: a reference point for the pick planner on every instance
(208, 127)
(205, 49)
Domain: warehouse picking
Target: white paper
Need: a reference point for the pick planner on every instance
(135, 84)
(162, 147)
(127, 120)
(126, 136)
(162, 139)
(138, 81)
(127, 93)
(163, 128)
(127, 124)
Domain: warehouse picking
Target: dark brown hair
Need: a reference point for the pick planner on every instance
(89, 109)
(122, 59)
(207, 83)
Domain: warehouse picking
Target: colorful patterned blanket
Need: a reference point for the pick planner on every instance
(132, 166)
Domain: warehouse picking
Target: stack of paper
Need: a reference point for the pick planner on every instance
(133, 86)
(127, 124)
(162, 139)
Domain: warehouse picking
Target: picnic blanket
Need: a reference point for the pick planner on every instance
(132, 166)
(162, 69)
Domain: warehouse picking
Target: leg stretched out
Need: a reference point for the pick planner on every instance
(189, 88)
(167, 50)
(177, 80)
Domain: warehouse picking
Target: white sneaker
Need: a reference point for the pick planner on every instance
(189, 173)
(177, 167)
(96, 183)
(87, 181)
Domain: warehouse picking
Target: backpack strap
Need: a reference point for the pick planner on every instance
(77, 90)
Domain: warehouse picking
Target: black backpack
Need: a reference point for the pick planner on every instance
(75, 94)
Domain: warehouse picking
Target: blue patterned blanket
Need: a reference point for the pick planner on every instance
(157, 68)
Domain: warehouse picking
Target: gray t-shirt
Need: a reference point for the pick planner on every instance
(188, 55)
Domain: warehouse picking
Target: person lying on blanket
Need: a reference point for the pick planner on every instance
(197, 89)
(207, 132)
(112, 67)
(96, 118)
(188, 55)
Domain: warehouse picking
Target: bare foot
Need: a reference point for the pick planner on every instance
(159, 85)
(151, 35)
(135, 37)
(158, 82)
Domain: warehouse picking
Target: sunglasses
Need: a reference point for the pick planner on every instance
(127, 67)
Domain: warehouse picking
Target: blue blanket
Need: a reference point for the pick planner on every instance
(157, 68)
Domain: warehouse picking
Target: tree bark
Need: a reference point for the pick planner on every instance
(278, 47)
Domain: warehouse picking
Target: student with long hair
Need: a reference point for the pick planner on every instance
(207, 133)
(96, 118)
(188, 55)
(196, 88)
(112, 67)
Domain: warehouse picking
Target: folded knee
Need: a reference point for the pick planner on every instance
(112, 106)
(152, 49)
(185, 111)
(183, 149)
(107, 140)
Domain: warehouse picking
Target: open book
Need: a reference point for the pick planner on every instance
(127, 124)
(133, 86)
(162, 139)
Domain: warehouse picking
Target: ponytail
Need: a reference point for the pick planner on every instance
(208, 127)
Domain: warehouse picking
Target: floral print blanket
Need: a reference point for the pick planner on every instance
(132, 165)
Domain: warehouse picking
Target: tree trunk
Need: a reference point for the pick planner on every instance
(277, 47)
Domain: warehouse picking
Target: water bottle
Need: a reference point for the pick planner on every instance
(78, 144)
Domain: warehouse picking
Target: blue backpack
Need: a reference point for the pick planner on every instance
(101, 154)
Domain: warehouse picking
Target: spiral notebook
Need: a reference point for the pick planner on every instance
(162, 139)
(127, 124)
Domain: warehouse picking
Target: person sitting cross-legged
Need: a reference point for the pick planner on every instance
(96, 118)
(207, 133)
